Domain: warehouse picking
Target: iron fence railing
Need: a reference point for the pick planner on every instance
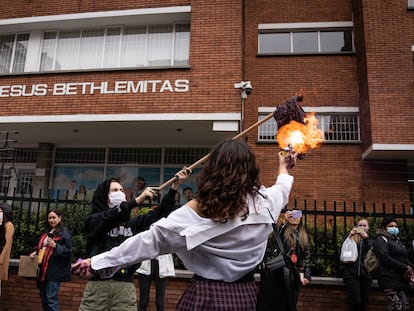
(327, 224)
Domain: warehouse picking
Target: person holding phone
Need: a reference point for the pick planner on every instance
(55, 260)
(296, 243)
(356, 277)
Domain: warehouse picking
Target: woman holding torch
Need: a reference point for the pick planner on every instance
(221, 235)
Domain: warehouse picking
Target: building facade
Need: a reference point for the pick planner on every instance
(127, 89)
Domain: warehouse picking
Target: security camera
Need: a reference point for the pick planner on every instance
(246, 86)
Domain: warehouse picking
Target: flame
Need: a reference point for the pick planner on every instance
(302, 137)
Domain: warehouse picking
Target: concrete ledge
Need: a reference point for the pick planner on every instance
(185, 274)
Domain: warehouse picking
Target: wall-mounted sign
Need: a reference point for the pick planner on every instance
(90, 88)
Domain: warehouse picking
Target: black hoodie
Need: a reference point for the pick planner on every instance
(108, 227)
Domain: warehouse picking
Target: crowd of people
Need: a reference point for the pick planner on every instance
(220, 233)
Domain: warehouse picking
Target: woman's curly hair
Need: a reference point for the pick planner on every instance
(231, 172)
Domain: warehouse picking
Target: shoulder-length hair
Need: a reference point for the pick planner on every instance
(61, 225)
(229, 175)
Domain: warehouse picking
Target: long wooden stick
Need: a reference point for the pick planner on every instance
(204, 159)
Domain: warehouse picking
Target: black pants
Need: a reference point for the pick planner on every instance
(274, 293)
(359, 289)
(145, 287)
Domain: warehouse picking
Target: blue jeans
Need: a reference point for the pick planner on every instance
(49, 294)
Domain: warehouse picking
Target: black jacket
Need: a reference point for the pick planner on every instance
(58, 266)
(357, 269)
(393, 258)
(303, 256)
(108, 227)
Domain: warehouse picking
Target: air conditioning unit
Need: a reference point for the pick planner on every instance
(410, 4)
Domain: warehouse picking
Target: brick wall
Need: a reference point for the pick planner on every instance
(224, 50)
(323, 294)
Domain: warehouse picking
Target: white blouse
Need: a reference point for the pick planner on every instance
(212, 250)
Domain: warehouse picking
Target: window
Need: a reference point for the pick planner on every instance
(306, 38)
(140, 38)
(13, 50)
(5, 177)
(25, 181)
(339, 127)
(335, 126)
(89, 166)
(131, 46)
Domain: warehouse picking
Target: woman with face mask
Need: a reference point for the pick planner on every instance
(6, 239)
(108, 226)
(395, 268)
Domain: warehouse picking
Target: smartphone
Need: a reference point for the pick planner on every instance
(50, 235)
(296, 213)
(359, 230)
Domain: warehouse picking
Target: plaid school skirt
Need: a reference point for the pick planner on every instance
(209, 295)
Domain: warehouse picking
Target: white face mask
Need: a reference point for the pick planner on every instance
(115, 198)
(1, 217)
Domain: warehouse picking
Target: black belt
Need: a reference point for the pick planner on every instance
(249, 277)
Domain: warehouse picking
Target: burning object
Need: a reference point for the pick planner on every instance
(300, 136)
(284, 115)
(297, 131)
(289, 111)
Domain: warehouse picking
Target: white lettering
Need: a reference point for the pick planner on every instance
(32, 90)
(120, 231)
(71, 89)
(4, 90)
(16, 90)
(121, 87)
(154, 84)
(109, 91)
(181, 85)
(166, 86)
(104, 87)
(141, 87)
(100, 88)
(59, 89)
(84, 85)
(40, 89)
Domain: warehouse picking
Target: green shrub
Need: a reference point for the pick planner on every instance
(30, 227)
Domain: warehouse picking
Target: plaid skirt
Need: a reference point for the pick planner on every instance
(209, 295)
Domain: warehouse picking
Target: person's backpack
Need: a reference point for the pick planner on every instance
(371, 260)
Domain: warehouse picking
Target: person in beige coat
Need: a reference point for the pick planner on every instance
(6, 239)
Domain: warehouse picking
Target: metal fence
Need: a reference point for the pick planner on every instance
(326, 222)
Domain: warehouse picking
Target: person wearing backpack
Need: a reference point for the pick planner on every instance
(356, 277)
(395, 268)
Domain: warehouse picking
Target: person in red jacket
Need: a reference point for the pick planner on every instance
(55, 259)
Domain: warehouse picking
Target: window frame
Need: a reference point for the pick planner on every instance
(291, 29)
(270, 126)
(37, 26)
(123, 62)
